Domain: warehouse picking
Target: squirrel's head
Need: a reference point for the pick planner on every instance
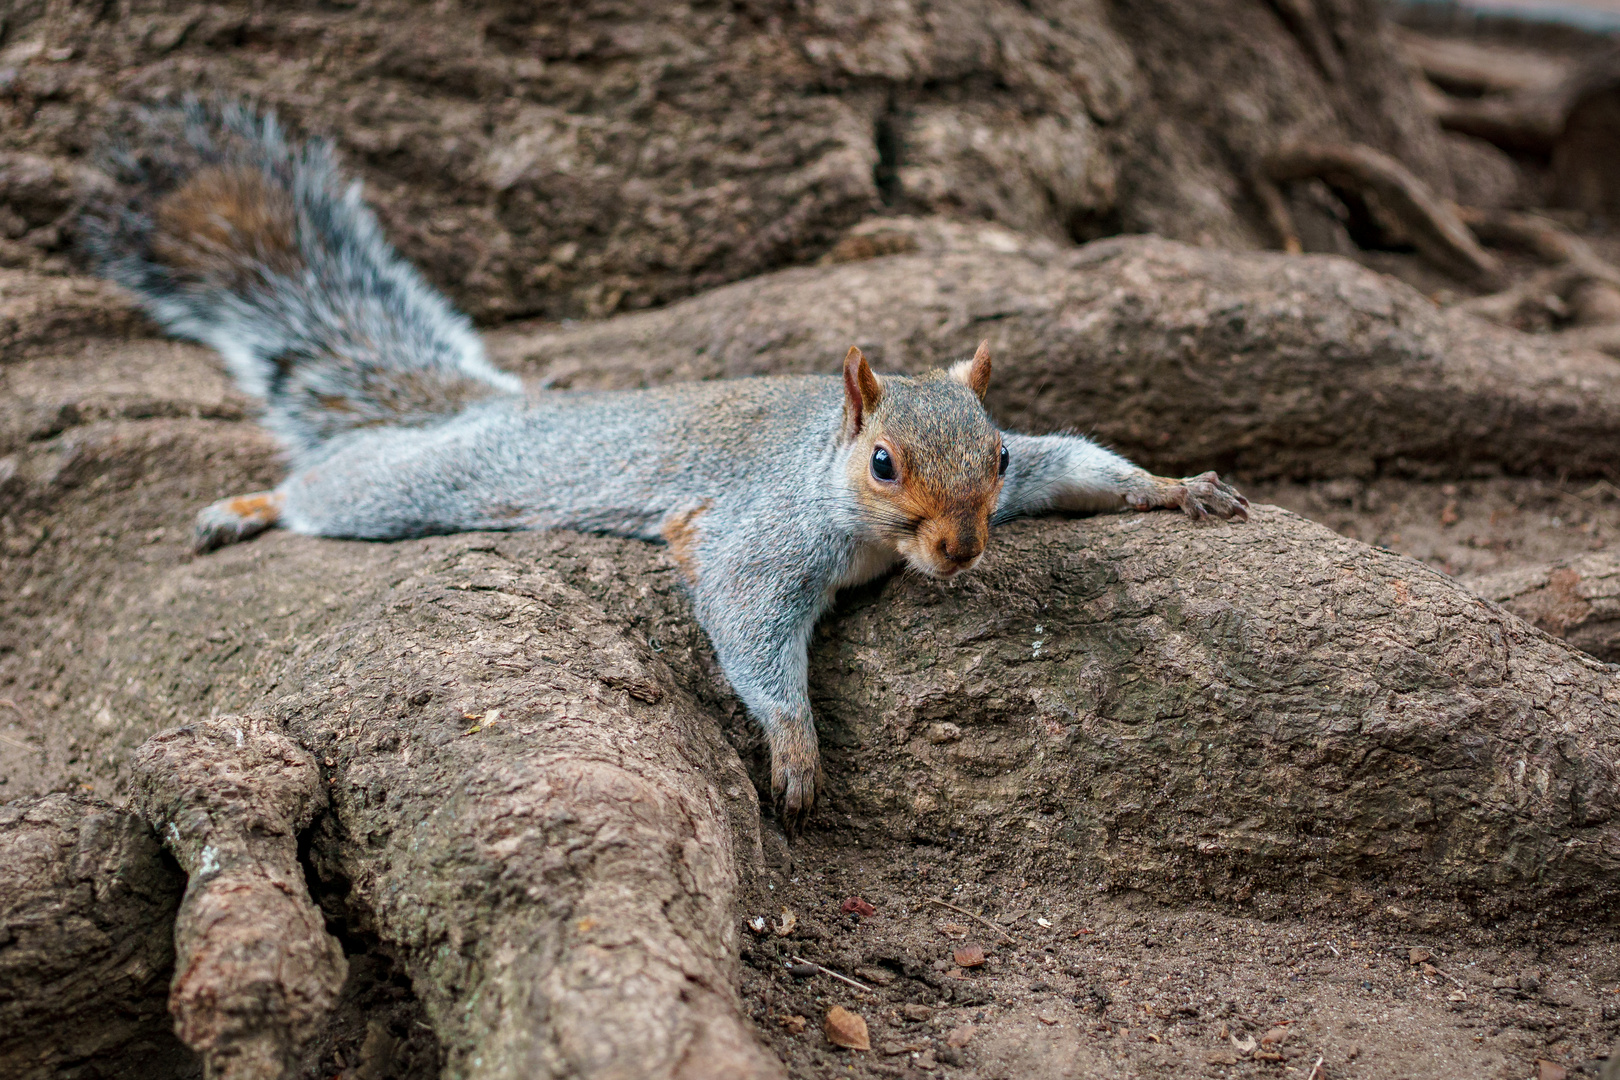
(927, 461)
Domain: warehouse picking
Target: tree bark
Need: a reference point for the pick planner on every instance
(597, 158)
(1577, 600)
(86, 946)
(257, 974)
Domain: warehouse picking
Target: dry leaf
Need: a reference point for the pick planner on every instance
(969, 956)
(1274, 1037)
(1550, 1070)
(1417, 955)
(785, 927)
(846, 1029)
(855, 905)
(1245, 1045)
(794, 1024)
(961, 1036)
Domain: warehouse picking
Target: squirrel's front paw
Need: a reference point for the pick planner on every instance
(795, 774)
(230, 520)
(1201, 496)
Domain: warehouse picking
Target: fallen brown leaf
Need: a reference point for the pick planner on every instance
(785, 927)
(969, 956)
(1550, 1070)
(846, 1029)
(1417, 955)
(855, 905)
(961, 1036)
(1244, 1045)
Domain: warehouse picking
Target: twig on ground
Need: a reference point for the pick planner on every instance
(969, 914)
(1316, 1072)
(829, 971)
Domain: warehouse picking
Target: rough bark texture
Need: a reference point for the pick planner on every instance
(525, 806)
(1577, 600)
(86, 946)
(1191, 711)
(1185, 359)
(576, 159)
(256, 972)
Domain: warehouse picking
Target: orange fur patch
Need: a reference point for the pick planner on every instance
(227, 225)
(680, 533)
(263, 506)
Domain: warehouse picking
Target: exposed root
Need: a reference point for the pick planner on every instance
(256, 972)
(1278, 216)
(1430, 222)
(1576, 599)
(1303, 22)
(86, 920)
(1580, 288)
(1475, 68)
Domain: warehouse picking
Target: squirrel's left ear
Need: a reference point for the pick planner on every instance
(975, 373)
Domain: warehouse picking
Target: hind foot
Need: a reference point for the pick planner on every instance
(230, 520)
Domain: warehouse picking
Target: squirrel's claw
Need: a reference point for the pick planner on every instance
(795, 781)
(1199, 497)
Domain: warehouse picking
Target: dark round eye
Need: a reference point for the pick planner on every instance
(882, 464)
(1001, 466)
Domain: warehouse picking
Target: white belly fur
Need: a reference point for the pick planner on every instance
(870, 561)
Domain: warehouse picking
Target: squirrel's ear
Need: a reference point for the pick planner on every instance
(862, 392)
(975, 373)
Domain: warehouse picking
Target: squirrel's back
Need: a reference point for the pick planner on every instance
(232, 238)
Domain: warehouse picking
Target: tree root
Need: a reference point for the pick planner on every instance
(87, 911)
(1430, 223)
(1580, 288)
(256, 972)
(1577, 600)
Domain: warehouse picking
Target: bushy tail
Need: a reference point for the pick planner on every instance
(263, 251)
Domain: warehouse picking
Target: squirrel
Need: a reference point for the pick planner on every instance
(772, 493)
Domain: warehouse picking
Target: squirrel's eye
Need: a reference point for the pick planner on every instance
(882, 464)
(1001, 467)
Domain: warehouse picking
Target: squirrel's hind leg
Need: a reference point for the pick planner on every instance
(237, 518)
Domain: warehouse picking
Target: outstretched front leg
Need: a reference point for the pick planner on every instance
(758, 609)
(1067, 472)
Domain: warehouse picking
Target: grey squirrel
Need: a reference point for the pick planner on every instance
(772, 493)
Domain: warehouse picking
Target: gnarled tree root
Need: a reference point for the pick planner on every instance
(87, 909)
(256, 971)
(1575, 599)
(1578, 285)
(1431, 222)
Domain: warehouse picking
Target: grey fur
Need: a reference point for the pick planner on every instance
(756, 481)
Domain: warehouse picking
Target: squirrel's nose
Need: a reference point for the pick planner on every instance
(960, 549)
